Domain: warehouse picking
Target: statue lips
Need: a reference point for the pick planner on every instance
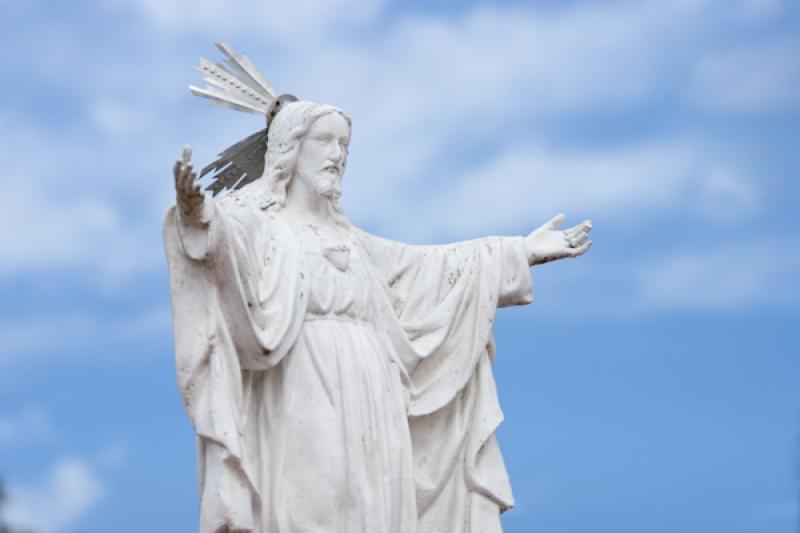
(339, 256)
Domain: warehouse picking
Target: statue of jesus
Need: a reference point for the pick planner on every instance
(338, 381)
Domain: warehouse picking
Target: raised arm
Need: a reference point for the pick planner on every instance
(188, 196)
(194, 213)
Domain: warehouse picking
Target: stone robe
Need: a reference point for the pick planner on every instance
(337, 381)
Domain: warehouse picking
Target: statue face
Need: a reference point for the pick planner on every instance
(323, 155)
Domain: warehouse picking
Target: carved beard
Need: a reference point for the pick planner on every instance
(327, 184)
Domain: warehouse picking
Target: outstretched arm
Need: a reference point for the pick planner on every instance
(548, 243)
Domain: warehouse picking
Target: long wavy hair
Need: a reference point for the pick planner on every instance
(286, 133)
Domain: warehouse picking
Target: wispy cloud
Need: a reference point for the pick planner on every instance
(445, 109)
(56, 503)
(47, 230)
(759, 76)
(721, 277)
(51, 334)
(301, 20)
(630, 184)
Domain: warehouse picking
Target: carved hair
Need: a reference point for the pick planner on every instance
(285, 135)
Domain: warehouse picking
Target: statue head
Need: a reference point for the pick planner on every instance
(306, 141)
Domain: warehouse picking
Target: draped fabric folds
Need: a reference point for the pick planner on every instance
(339, 386)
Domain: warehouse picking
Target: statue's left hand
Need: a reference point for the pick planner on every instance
(548, 243)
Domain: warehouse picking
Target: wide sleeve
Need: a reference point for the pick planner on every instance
(238, 300)
(400, 265)
(445, 298)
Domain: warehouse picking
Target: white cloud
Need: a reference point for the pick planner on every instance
(527, 184)
(48, 334)
(727, 196)
(487, 62)
(58, 210)
(114, 455)
(491, 64)
(122, 118)
(525, 181)
(427, 83)
(59, 501)
(51, 230)
(756, 77)
(298, 20)
(721, 277)
(755, 11)
(417, 85)
(718, 278)
(86, 232)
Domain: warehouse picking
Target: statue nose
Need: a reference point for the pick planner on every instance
(336, 153)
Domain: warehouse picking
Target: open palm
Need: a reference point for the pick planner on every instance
(548, 243)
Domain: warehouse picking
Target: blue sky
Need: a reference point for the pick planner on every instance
(652, 387)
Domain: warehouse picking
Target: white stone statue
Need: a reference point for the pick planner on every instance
(337, 381)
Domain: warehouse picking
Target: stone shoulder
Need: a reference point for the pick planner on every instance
(244, 205)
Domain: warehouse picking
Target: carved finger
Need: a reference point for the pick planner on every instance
(186, 177)
(194, 184)
(176, 170)
(579, 239)
(186, 156)
(181, 182)
(556, 221)
(583, 227)
(580, 250)
(573, 231)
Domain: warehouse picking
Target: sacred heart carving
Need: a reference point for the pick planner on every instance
(339, 256)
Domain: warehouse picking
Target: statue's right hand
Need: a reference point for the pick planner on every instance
(189, 196)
